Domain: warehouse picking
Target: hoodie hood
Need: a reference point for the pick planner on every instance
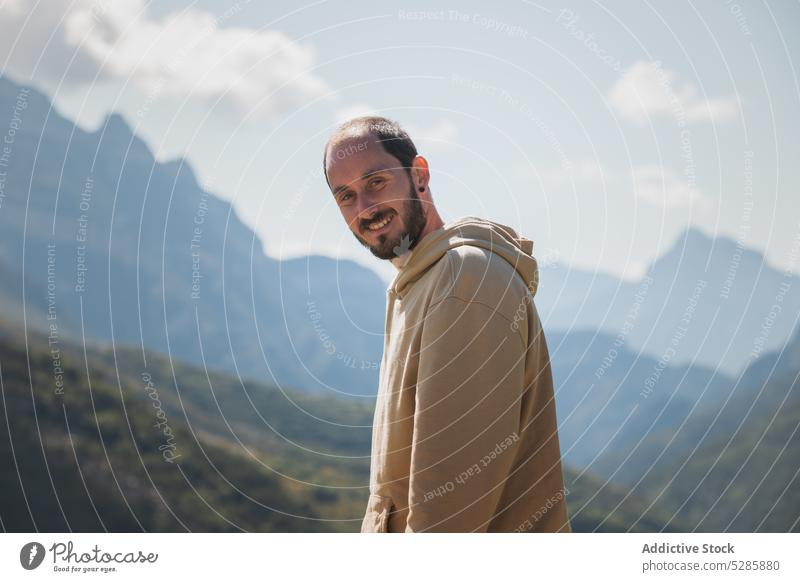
(478, 232)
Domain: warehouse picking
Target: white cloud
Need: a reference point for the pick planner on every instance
(647, 90)
(185, 54)
(590, 169)
(634, 270)
(657, 185)
(664, 188)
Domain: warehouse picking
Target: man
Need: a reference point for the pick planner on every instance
(464, 436)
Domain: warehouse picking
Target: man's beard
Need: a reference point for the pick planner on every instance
(414, 222)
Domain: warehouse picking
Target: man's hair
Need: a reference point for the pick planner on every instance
(388, 133)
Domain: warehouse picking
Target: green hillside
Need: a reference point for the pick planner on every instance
(244, 455)
(731, 467)
(595, 506)
(94, 459)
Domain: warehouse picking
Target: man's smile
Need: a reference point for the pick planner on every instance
(380, 225)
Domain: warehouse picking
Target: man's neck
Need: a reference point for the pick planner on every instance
(400, 261)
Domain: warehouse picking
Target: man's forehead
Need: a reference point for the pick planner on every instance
(350, 158)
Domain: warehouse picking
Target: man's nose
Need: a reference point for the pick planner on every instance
(366, 206)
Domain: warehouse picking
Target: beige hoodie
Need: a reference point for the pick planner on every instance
(465, 434)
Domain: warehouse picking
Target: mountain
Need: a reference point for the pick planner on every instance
(103, 242)
(82, 449)
(99, 240)
(609, 397)
(81, 453)
(730, 466)
(111, 258)
(598, 506)
(705, 301)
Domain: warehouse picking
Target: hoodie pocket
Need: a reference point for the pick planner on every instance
(376, 519)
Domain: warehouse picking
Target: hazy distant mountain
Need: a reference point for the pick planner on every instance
(113, 245)
(609, 397)
(706, 301)
(169, 266)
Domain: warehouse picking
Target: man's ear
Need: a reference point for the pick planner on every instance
(420, 172)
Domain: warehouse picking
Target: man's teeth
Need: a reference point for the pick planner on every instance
(381, 224)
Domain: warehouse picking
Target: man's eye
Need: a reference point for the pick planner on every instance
(375, 182)
(345, 196)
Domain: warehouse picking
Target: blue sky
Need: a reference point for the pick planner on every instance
(599, 130)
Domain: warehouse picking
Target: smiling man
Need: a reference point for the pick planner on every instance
(465, 434)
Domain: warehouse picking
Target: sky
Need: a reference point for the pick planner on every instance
(601, 130)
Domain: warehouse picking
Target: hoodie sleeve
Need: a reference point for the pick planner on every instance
(467, 416)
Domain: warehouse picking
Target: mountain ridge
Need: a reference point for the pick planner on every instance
(163, 262)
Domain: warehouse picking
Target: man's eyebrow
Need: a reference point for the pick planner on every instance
(364, 176)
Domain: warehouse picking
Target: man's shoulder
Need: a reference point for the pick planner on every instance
(478, 274)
